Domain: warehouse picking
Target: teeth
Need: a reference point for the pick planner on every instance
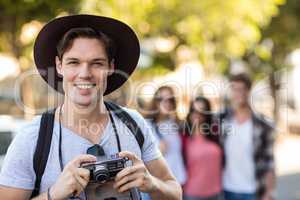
(85, 86)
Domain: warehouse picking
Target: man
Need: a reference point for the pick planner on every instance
(248, 147)
(90, 55)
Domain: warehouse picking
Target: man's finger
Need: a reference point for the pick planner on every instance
(83, 159)
(83, 173)
(130, 156)
(81, 181)
(129, 185)
(79, 185)
(125, 172)
(126, 179)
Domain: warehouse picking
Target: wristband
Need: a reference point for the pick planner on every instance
(48, 194)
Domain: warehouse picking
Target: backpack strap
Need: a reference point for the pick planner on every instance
(42, 150)
(128, 121)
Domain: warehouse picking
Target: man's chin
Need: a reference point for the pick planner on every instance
(85, 103)
(241, 104)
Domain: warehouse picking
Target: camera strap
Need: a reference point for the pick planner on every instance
(115, 130)
(60, 136)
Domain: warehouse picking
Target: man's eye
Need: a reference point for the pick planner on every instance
(98, 64)
(72, 63)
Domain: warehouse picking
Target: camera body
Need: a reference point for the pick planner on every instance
(102, 174)
(106, 170)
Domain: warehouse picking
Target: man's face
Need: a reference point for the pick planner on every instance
(239, 93)
(84, 67)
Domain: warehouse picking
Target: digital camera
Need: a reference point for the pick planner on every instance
(101, 181)
(103, 171)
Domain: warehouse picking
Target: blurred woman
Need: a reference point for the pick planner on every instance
(202, 153)
(164, 120)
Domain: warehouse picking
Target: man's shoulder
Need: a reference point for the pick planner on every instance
(263, 121)
(134, 114)
(138, 118)
(30, 130)
(224, 113)
(34, 124)
(17, 169)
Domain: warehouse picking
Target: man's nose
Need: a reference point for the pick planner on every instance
(85, 71)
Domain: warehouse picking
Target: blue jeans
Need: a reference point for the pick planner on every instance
(145, 196)
(239, 196)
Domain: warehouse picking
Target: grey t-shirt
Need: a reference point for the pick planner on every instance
(18, 172)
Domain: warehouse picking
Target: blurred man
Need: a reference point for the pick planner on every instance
(248, 147)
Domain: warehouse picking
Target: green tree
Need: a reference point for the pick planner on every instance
(279, 39)
(216, 30)
(14, 16)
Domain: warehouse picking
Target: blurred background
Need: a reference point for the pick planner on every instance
(192, 45)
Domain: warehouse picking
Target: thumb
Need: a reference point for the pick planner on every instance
(131, 156)
(85, 158)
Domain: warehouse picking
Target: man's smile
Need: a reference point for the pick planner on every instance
(85, 85)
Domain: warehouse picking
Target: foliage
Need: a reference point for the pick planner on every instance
(19, 16)
(218, 30)
(283, 32)
(15, 14)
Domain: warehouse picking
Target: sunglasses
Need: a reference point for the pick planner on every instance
(194, 111)
(96, 150)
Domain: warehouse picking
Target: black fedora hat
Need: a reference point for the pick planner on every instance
(127, 47)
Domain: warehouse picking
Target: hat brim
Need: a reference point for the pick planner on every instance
(127, 48)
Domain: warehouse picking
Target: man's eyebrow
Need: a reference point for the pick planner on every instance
(93, 60)
(71, 59)
(99, 59)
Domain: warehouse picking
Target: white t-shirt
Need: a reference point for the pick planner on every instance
(18, 172)
(239, 173)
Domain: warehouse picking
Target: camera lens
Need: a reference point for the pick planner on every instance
(101, 174)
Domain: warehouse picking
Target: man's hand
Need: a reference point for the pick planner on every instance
(136, 175)
(270, 179)
(73, 179)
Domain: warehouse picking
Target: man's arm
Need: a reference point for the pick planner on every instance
(71, 182)
(270, 179)
(9, 193)
(270, 176)
(155, 178)
(165, 185)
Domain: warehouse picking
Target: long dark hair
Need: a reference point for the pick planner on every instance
(154, 109)
(189, 126)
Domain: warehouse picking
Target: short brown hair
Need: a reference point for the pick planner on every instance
(244, 78)
(85, 32)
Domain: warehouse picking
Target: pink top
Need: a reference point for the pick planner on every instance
(204, 167)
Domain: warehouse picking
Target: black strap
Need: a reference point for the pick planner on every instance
(128, 121)
(115, 130)
(59, 143)
(42, 149)
(45, 136)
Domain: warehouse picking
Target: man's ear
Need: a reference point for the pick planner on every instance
(111, 67)
(58, 65)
